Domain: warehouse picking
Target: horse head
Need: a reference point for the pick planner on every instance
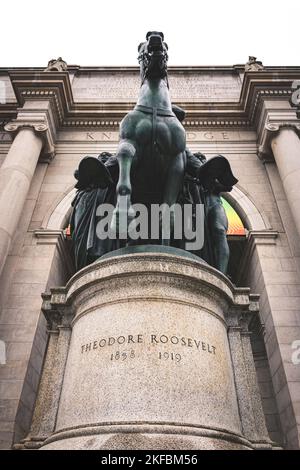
(153, 56)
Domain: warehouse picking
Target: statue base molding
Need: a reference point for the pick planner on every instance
(149, 350)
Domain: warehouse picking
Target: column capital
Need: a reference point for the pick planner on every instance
(269, 131)
(41, 129)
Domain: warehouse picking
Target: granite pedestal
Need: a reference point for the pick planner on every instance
(149, 350)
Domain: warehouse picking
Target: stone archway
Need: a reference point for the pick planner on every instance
(255, 221)
(57, 217)
(252, 216)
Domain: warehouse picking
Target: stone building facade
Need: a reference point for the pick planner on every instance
(51, 119)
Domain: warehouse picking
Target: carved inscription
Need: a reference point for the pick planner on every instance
(192, 136)
(102, 136)
(122, 356)
(124, 347)
(166, 356)
(124, 87)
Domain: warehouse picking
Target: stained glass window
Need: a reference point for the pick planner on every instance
(235, 225)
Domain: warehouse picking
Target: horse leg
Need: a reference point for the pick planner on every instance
(173, 186)
(123, 212)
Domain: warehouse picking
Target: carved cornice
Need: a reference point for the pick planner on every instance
(270, 83)
(40, 107)
(267, 83)
(197, 123)
(52, 86)
(260, 95)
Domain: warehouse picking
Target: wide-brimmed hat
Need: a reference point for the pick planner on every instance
(217, 167)
(92, 171)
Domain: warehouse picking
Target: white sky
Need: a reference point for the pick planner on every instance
(97, 32)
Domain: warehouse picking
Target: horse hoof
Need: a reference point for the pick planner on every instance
(131, 213)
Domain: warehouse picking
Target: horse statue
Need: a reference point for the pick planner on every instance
(151, 151)
(152, 165)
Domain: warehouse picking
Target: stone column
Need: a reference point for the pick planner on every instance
(286, 150)
(16, 174)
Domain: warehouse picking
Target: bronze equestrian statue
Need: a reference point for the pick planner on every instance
(152, 140)
(152, 166)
